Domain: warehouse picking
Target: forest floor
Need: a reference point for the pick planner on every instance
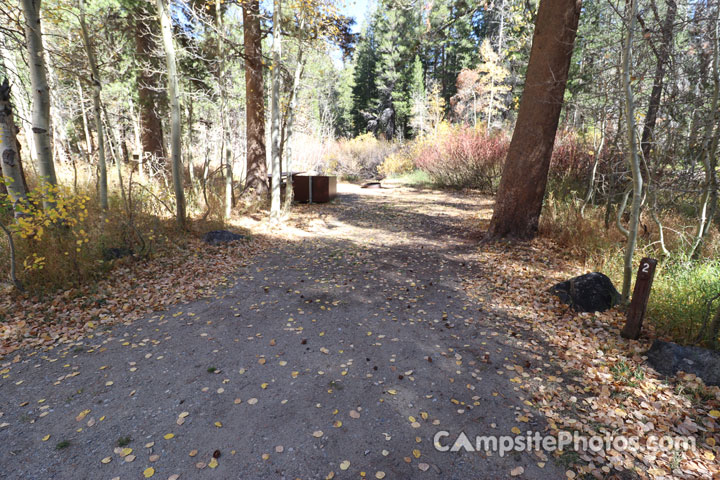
(337, 346)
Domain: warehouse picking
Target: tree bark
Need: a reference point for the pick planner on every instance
(97, 89)
(633, 159)
(663, 57)
(275, 203)
(175, 128)
(151, 130)
(709, 199)
(9, 154)
(40, 95)
(22, 107)
(522, 187)
(256, 175)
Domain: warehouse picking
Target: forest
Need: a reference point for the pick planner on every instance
(506, 144)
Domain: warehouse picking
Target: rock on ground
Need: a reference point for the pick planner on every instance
(592, 292)
(669, 358)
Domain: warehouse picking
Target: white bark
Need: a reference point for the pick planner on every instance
(633, 158)
(175, 128)
(97, 89)
(276, 164)
(9, 155)
(40, 94)
(287, 134)
(708, 203)
(20, 102)
(224, 150)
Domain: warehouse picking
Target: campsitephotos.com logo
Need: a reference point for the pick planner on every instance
(563, 441)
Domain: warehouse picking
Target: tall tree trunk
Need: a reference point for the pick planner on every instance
(22, 107)
(89, 145)
(275, 203)
(256, 175)
(97, 89)
(663, 57)
(633, 159)
(522, 187)
(225, 153)
(151, 130)
(709, 200)
(287, 130)
(9, 154)
(175, 129)
(40, 95)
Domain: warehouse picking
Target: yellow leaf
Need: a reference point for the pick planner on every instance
(516, 430)
(416, 453)
(218, 424)
(714, 413)
(213, 463)
(149, 472)
(46, 438)
(168, 436)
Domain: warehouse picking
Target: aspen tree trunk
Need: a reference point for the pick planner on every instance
(633, 158)
(256, 171)
(225, 153)
(288, 127)
(97, 89)
(708, 204)
(9, 155)
(275, 205)
(175, 129)
(522, 187)
(663, 58)
(40, 95)
(22, 107)
(89, 145)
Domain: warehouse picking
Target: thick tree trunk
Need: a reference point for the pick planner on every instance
(256, 176)
(175, 129)
(40, 94)
(275, 203)
(522, 187)
(97, 89)
(9, 155)
(151, 130)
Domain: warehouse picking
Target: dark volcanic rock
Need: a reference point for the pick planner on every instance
(217, 237)
(668, 358)
(592, 292)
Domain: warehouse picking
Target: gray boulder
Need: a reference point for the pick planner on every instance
(668, 358)
(218, 237)
(592, 292)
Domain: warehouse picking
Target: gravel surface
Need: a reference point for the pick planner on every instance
(340, 354)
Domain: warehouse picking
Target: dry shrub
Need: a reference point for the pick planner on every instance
(357, 158)
(463, 157)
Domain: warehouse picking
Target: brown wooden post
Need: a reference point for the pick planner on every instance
(641, 295)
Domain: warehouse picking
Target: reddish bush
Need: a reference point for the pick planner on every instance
(572, 157)
(464, 158)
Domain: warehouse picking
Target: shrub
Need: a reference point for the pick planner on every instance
(358, 157)
(462, 157)
(396, 164)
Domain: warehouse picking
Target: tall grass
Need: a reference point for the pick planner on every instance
(684, 293)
